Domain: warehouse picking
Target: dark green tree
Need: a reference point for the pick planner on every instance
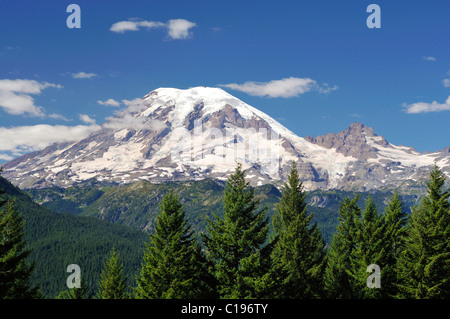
(298, 256)
(112, 279)
(234, 243)
(395, 217)
(369, 248)
(14, 270)
(173, 266)
(425, 261)
(76, 293)
(337, 279)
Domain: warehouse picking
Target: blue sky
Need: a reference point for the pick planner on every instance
(314, 66)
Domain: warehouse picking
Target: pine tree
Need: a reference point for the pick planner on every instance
(395, 217)
(299, 250)
(337, 280)
(234, 243)
(425, 261)
(14, 271)
(112, 280)
(369, 249)
(173, 267)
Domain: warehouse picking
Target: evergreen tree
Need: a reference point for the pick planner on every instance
(75, 293)
(299, 251)
(337, 279)
(173, 266)
(234, 243)
(112, 280)
(395, 217)
(425, 261)
(369, 248)
(14, 271)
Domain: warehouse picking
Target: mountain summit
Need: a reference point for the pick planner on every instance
(172, 134)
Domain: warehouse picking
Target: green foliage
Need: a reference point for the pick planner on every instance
(112, 279)
(425, 261)
(173, 267)
(368, 249)
(58, 240)
(337, 279)
(239, 261)
(395, 217)
(137, 204)
(299, 251)
(14, 270)
(76, 293)
(234, 242)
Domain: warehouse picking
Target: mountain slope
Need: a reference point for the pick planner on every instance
(58, 240)
(181, 135)
(137, 204)
(380, 164)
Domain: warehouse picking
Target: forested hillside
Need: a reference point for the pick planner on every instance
(58, 240)
(256, 242)
(137, 204)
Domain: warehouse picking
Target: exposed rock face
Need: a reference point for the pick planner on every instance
(202, 132)
(351, 142)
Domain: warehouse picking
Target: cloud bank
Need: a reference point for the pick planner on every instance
(16, 99)
(20, 140)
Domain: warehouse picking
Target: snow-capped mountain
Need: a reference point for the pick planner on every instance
(172, 134)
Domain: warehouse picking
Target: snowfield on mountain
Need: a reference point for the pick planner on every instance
(173, 134)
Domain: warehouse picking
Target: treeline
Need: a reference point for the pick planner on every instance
(387, 254)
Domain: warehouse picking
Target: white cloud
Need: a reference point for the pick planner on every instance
(125, 119)
(429, 58)
(58, 117)
(177, 29)
(5, 157)
(25, 86)
(16, 99)
(422, 107)
(109, 102)
(123, 26)
(83, 75)
(86, 119)
(134, 105)
(446, 83)
(20, 140)
(286, 88)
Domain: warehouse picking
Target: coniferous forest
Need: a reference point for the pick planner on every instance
(243, 254)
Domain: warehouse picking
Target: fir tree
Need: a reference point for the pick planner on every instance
(299, 251)
(337, 279)
(425, 261)
(395, 217)
(234, 243)
(14, 271)
(369, 248)
(173, 267)
(76, 293)
(112, 280)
